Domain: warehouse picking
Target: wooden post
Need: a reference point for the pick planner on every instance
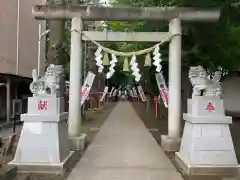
(147, 105)
(91, 108)
(156, 106)
(98, 98)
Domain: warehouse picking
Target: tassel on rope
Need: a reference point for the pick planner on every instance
(147, 60)
(106, 59)
(126, 65)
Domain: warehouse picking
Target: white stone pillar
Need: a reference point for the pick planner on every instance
(74, 120)
(75, 86)
(175, 47)
(171, 142)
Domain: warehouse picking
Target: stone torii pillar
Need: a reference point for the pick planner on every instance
(77, 140)
(171, 142)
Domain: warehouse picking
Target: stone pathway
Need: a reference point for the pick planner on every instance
(124, 149)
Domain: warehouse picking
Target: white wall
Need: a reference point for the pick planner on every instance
(231, 95)
(28, 37)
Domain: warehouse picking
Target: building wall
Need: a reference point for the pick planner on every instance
(231, 91)
(28, 37)
(8, 36)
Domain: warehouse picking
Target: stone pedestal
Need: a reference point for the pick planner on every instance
(207, 147)
(43, 145)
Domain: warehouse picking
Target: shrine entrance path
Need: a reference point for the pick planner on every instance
(124, 149)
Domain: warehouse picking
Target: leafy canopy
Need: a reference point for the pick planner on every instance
(208, 44)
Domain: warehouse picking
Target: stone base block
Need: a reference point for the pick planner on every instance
(78, 143)
(42, 142)
(170, 144)
(47, 168)
(206, 170)
(208, 144)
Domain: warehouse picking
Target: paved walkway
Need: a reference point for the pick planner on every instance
(124, 149)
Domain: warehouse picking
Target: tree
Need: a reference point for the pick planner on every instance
(210, 45)
(60, 36)
(55, 51)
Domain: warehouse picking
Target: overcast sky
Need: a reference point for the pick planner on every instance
(105, 1)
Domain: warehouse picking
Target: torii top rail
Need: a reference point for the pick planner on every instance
(93, 13)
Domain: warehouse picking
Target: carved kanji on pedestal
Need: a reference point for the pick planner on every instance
(207, 146)
(44, 138)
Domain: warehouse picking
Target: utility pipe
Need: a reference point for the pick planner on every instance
(39, 49)
(18, 19)
(39, 46)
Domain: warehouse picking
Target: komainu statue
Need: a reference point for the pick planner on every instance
(52, 83)
(203, 85)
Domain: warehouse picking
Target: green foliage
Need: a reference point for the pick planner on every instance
(119, 77)
(208, 44)
(218, 43)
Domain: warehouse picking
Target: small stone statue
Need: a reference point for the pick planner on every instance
(50, 84)
(203, 85)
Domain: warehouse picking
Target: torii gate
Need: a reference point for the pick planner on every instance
(174, 15)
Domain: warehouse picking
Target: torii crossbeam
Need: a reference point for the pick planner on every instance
(94, 13)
